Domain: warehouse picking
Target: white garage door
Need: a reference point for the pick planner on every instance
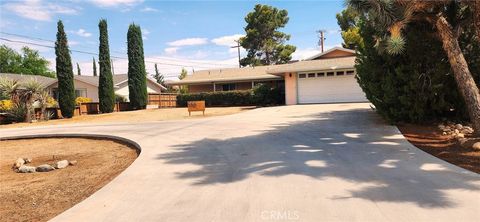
(329, 87)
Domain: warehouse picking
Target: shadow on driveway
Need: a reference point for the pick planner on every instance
(353, 145)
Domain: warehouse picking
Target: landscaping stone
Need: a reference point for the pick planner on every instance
(45, 168)
(476, 146)
(458, 126)
(27, 160)
(460, 135)
(61, 164)
(26, 169)
(18, 163)
(73, 162)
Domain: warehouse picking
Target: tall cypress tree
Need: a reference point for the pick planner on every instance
(79, 72)
(94, 67)
(137, 75)
(64, 69)
(106, 93)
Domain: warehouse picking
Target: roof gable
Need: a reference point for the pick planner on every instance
(336, 52)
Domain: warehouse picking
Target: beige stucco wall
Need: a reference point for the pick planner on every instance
(200, 88)
(92, 91)
(336, 54)
(123, 89)
(290, 88)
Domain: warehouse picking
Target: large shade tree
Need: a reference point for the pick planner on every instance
(106, 93)
(265, 45)
(66, 88)
(447, 18)
(28, 62)
(137, 75)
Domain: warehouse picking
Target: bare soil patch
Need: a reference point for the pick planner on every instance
(430, 139)
(41, 196)
(138, 116)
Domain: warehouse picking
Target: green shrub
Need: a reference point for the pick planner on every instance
(260, 96)
(417, 86)
(264, 95)
(17, 113)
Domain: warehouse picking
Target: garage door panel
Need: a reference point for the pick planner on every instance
(330, 89)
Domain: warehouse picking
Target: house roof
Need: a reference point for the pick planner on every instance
(314, 65)
(92, 80)
(225, 75)
(322, 54)
(21, 78)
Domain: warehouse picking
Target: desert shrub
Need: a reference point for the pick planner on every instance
(6, 105)
(51, 102)
(79, 100)
(17, 113)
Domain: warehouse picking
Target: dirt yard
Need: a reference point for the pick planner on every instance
(430, 139)
(138, 116)
(40, 196)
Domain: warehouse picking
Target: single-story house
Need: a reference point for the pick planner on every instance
(87, 86)
(327, 77)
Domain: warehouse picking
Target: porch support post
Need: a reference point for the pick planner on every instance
(214, 87)
(253, 84)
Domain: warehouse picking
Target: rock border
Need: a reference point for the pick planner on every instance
(130, 143)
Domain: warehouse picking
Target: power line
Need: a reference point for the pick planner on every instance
(119, 52)
(92, 53)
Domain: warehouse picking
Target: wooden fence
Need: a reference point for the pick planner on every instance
(163, 100)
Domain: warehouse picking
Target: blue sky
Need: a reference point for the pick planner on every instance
(191, 34)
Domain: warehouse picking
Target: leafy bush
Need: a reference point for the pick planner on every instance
(17, 113)
(261, 95)
(120, 98)
(51, 102)
(79, 100)
(265, 95)
(6, 105)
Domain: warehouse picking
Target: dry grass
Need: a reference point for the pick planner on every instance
(137, 116)
(41, 196)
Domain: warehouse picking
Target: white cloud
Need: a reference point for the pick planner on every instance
(228, 40)
(301, 54)
(38, 10)
(83, 33)
(145, 32)
(188, 42)
(170, 50)
(115, 3)
(149, 9)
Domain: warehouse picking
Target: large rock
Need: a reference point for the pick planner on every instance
(72, 162)
(61, 164)
(26, 169)
(45, 168)
(476, 146)
(458, 126)
(18, 163)
(27, 159)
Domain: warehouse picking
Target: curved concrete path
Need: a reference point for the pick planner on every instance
(302, 163)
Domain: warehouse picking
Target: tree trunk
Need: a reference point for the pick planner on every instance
(463, 77)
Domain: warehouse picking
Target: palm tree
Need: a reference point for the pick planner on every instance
(448, 18)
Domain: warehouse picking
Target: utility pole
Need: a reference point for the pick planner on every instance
(238, 48)
(321, 40)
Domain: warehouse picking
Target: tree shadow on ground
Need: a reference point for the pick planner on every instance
(354, 145)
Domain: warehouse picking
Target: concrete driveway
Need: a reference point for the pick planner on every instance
(293, 163)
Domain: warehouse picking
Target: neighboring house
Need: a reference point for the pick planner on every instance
(327, 77)
(228, 79)
(87, 86)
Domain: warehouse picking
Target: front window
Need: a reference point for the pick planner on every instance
(228, 87)
(80, 92)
